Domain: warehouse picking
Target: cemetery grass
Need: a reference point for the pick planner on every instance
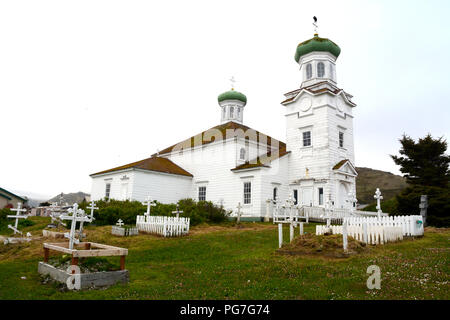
(239, 262)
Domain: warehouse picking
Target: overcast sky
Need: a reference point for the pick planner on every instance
(89, 85)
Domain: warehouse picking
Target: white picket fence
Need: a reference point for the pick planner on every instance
(410, 225)
(124, 232)
(373, 235)
(164, 226)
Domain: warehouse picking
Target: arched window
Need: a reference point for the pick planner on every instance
(320, 69)
(275, 190)
(308, 71)
(242, 154)
(231, 112)
(238, 112)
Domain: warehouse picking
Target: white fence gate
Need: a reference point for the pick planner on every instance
(164, 226)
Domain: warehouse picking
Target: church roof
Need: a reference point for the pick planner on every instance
(228, 130)
(232, 95)
(158, 164)
(317, 44)
(262, 162)
(317, 88)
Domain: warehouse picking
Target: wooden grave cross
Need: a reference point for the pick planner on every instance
(78, 215)
(149, 203)
(177, 212)
(120, 223)
(91, 218)
(379, 197)
(239, 212)
(18, 216)
(352, 200)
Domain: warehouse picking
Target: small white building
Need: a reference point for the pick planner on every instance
(232, 163)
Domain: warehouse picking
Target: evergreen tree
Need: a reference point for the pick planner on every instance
(424, 162)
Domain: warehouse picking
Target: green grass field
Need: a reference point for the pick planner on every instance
(229, 262)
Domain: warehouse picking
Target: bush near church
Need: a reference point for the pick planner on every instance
(112, 210)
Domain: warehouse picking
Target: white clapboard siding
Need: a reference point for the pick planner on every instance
(164, 226)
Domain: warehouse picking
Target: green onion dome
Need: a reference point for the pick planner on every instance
(232, 95)
(317, 44)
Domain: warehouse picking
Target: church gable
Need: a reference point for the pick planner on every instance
(345, 167)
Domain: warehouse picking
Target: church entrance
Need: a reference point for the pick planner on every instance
(306, 197)
(343, 195)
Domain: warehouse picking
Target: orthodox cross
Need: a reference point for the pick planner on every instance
(177, 212)
(91, 218)
(232, 82)
(77, 215)
(239, 207)
(119, 223)
(18, 216)
(352, 200)
(56, 212)
(328, 209)
(379, 197)
(290, 204)
(149, 203)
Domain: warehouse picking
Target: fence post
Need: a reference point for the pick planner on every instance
(291, 232)
(365, 232)
(344, 236)
(280, 235)
(301, 228)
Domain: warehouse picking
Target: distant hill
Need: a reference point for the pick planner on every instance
(369, 180)
(70, 198)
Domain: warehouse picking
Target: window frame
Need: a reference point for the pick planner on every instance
(319, 198)
(247, 193)
(108, 190)
(275, 193)
(341, 139)
(201, 190)
(242, 154)
(308, 71)
(306, 139)
(320, 69)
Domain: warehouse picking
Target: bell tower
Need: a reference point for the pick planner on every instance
(319, 128)
(232, 105)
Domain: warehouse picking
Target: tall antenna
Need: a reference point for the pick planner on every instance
(316, 27)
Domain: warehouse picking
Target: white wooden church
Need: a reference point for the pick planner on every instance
(232, 163)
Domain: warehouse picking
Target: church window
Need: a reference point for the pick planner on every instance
(295, 196)
(341, 139)
(242, 154)
(201, 193)
(231, 112)
(238, 112)
(320, 196)
(247, 192)
(275, 190)
(307, 138)
(224, 112)
(107, 190)
(308, 71)
(320, 69)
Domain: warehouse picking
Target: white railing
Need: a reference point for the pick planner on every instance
(410, 225)
(164, 226)
(370, 234)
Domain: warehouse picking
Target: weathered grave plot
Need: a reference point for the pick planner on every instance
(120, 230)
(56, 223)
(15, 228)
(161, 225)
(78, 250)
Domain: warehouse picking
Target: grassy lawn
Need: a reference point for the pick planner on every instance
(229, 262)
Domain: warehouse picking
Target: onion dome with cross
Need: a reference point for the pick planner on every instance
(317, 59)
(232, 105)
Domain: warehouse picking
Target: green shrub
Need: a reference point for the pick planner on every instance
(199, 212)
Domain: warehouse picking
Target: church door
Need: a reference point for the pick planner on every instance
(343, 195)
(307, 196)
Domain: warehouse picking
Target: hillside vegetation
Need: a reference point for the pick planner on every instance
(369, 180)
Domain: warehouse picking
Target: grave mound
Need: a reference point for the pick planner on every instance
(329, 246)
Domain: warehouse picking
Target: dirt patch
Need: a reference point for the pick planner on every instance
(327, 246)
(436, 230)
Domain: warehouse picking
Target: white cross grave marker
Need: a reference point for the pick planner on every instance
(77, 215)
(91, 218)
(352, 200)
(55, 213)
(149, 203)
(120, 223)
(379, 197)
(177, 212)
(239, 207)
(328, 210)
(18, 216)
